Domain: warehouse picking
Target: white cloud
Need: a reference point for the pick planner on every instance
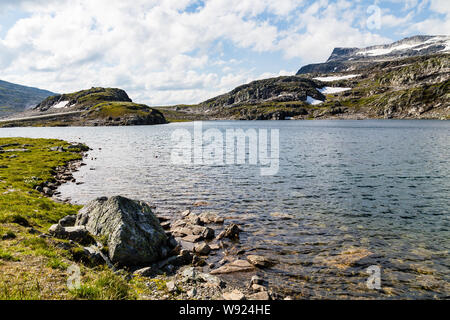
(162, 54)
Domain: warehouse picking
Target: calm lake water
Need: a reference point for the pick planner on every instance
(376, 190)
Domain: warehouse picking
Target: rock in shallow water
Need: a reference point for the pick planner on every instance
(232, 232)
(260, 261)
(235, 266)
(134, 234)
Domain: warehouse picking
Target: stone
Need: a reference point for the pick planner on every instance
(202, 249)
(185, 213)
(78, 233)
(186, 255)
(258, 287)
(193, 230)
(190, 274)
(256, 280)
(262, 296)
(47, 191)
(134, 234)
(200, 203)
(93, 255)
(260, 261)
(208, 233)
(235, 266)
(192, 293)
(192, 238)
(194, 220)
(165, 225)
(145, 272)
(212, 280)
(346, 258)
(234, 295)
(68, 221)
(171, 286)
(208, 218)
(232, 232)
(198, 262)
(214, 246)
(186, 245)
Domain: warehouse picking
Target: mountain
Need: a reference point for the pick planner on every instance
(92, 107)
(408, 79)
(17, 98)
(353, 59)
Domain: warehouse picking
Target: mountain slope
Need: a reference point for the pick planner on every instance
(92, 107)
(17, 98)
(408, 79)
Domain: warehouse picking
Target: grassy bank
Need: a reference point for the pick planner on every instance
(33, 266)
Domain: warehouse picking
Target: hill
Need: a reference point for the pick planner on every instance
(92, 107)
(17, 98)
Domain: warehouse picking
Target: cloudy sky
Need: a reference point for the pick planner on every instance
(165, 52)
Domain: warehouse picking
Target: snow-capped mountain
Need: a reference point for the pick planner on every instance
(346, 59)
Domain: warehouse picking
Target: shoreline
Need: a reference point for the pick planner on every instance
(190, 281)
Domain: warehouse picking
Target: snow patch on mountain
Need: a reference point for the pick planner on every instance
(330, 90)
(60, 105)
(311, 100)
(413, 44)
(336, 78)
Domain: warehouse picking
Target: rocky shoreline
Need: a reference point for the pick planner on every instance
(114, 231)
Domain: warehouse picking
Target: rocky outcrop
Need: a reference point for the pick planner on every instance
(84, 99)
(133, 233)
(281, 89)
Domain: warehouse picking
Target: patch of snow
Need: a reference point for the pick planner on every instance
(312, 101)
(447, 46)
(60, 105)
(383, 51)
(335, 78)
(329, 90)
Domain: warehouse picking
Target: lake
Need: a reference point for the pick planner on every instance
(347, 195)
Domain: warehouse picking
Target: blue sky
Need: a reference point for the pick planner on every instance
(185, 51)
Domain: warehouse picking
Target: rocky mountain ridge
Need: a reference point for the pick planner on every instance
(353, 59)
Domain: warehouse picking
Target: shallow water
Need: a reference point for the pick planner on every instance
(376, 189)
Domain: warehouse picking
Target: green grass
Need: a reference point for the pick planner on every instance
(118, 109)
(19, 202)
(105, 286)
(32, 267)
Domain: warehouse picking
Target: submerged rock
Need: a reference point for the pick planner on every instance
(235, 266)
(202, 249)
(134, 234)
(232, 232)
(260, 261)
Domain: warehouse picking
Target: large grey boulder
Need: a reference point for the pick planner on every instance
(133, 233)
